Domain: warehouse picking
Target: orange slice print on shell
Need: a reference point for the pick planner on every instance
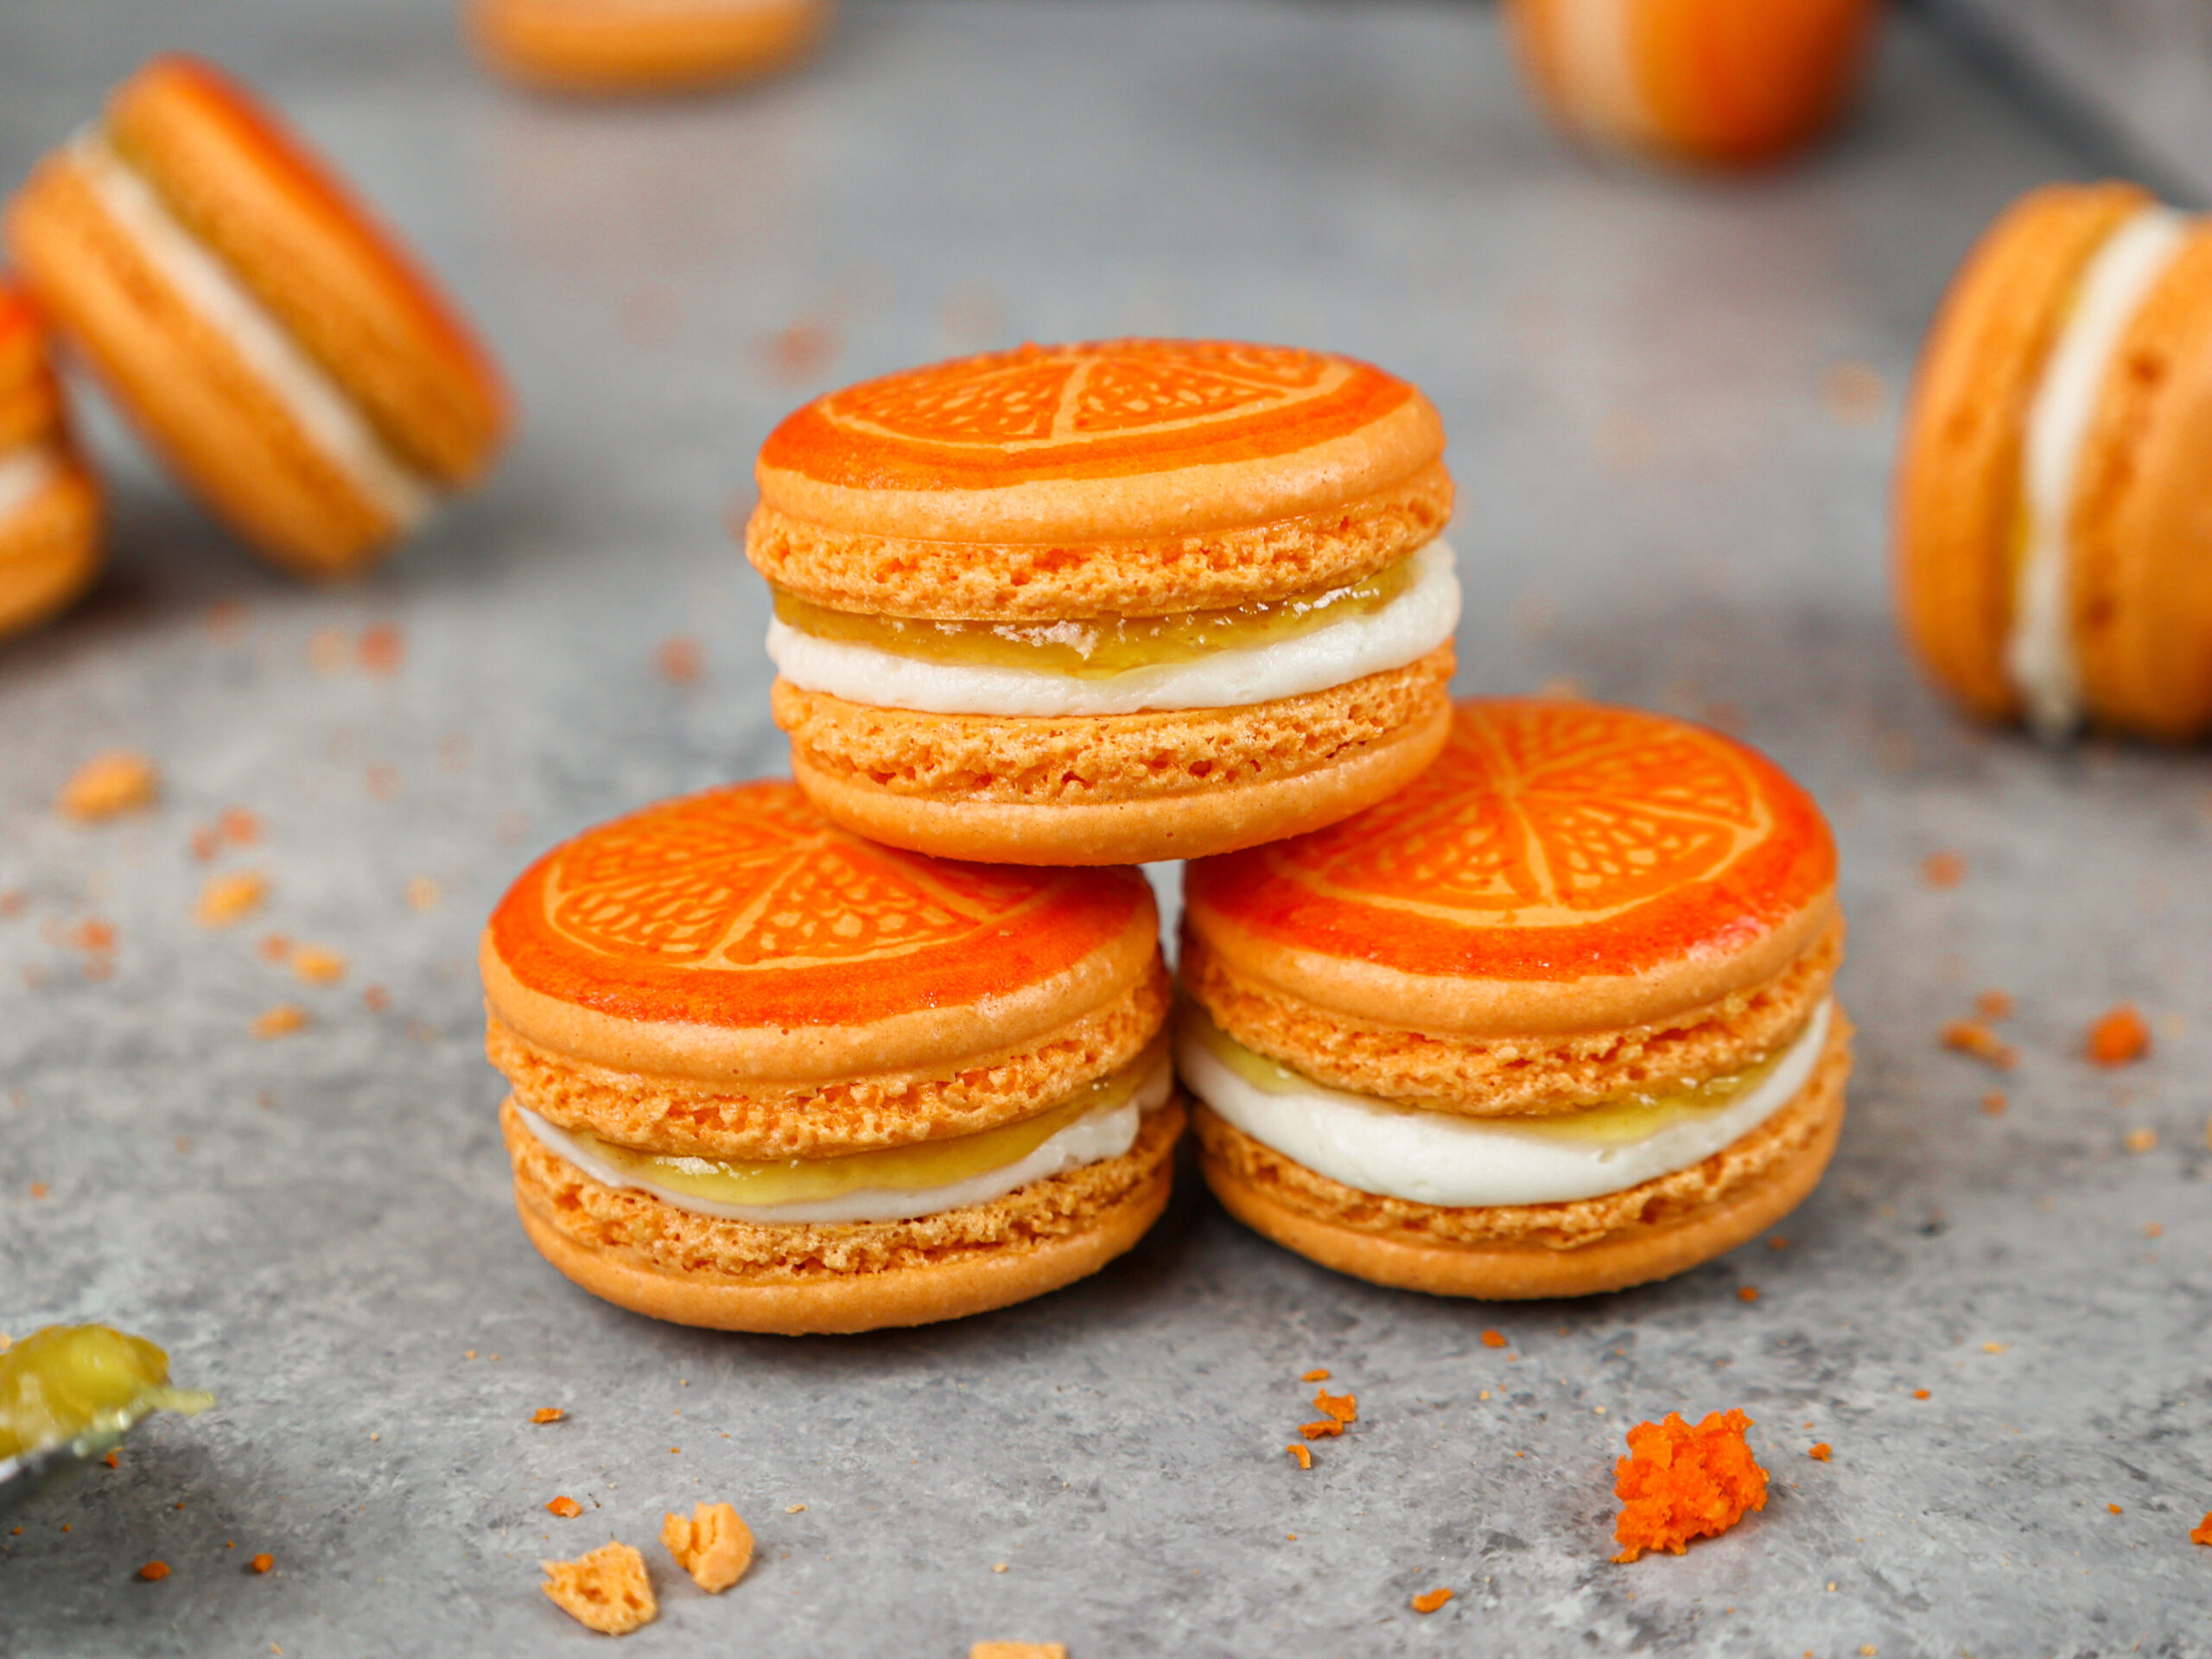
(1568, 827)
(733, 901)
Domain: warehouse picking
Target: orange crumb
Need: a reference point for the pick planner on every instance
(1972, 1037)
(1016, 1649)
(1680, 1483)
(2120, 1037)
(313, 965)
(1434, 1599)
(12, 902)
(1345, 1408)
(713, 1545)
(1995, 1347)
(2142, 1140)
(261, 1563)
(1317, 1375)
(1943, 870)
(567, 1508)
(1777, 1243)
(680, 660)
(108, 786)
(547, 1414)
(1493, 1339)
(383, 648)
(1820, 1452)
(1920, 1394)
(2115, 1508)
(228, 899)
(206, 843)
(1326, 1426)
(274, 947)
(606, 1591)
(2153, 1229)
(800, 351)
(238, 826)
(152, 1571)
(1304, 1457)
(112, 1459)
(1994, 1005)
(1994, 1103)
(2202, 1532)
(38, 1189)
(327, 651)
(93, 935)
(280, 1021)
(1747, 1292)
(376, 999)
(423, 894)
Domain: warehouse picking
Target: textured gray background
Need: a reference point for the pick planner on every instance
(1666, 498)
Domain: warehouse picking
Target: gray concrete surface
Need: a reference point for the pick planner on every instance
(1670, 496)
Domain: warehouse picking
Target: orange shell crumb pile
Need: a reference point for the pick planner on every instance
(1680, 1483)
(1345, 1408)
(2119, 1039)
(607, 1591)
(714, 1546)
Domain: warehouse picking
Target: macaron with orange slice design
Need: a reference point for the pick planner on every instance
(1111, 602)
(49, 505)
(1723, 82)
(642, 46)
(2053, 541)
(1555, 1019)
(292, 362)
(770, 1076)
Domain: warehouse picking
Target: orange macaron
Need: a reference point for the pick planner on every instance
(1110, 602)
(2053, 537)
(1557, 1019)
(280, 349)
(1722, 82)
(49, 505)
(642, 46)
(767, 1075)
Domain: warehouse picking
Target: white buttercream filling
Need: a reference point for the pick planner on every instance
(332, 423)
(1089, 1140)
(2039, 656)
(1597, 69)
(1411, 626)
(1438, 1158)
(25, 472)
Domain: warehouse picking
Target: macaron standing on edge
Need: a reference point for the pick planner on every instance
(2053, 541)
(280, 350)
(1554, 1019)
(642, 46)
(770, 1076)
(1727, 83)
(49, 503)
(1111, 602)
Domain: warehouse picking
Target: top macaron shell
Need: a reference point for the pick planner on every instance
(1562, 867)
(1103, 477)
(622, 45)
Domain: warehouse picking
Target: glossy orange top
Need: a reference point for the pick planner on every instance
(1106, 408)
(1551, 840)
(743, 906)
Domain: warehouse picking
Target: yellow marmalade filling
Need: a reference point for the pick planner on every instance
(1614, 1124)
(1098, 646)
(892, 1169)
(70, 1381)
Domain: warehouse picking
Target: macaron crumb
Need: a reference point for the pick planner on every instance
(1747, 1292)
(382, 648)
(1680, 1483)
(564, 1506)
(1820, 1452)
(2115, 1508)
(680, 661)
(606, 1591)
(2120, 1037)
(713, 1545)
(1434, 1599)
(1941, 870)
(1920, 1394)
(114, 1460)
(108, 786)
(313, 965)
(1973, 1037)
(1993, 1103)
(1493, 1339)
(547, 1414)
(229, 899)
(261, 1563)
(1305, 1457)
(1345, 1408)
(279, 1022)
(1319, 1374)
(2202, 1532)
(1994, 1005)
(153, 1572)
(2142, 1138)
(1316, 1431)
(1018, 1650)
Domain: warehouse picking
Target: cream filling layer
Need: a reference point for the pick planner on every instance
(2039, 657)
(25, 472)
(1454, 1162)
(332, 423)
(1408, 628)
(1091, 1138)
(1597, 69)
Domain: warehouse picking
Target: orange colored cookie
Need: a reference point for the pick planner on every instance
(642, 46)
(269, 338)
(49, 503)
(1724, 82)
(768, 1075)
(1110, 602)
(2053, 552)
(1554, 1019)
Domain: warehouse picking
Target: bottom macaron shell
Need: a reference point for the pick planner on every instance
(1654, 1230)
(616, 47)
(631, 1249)
(49, 551)
(1192, 784)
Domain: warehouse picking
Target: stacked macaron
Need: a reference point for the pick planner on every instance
(49, 505)
(1724, 82)
(296, 369)
(1555, 1019)
(2053, 547)
(640, 45)
(770, 1076)
(1110, 602)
